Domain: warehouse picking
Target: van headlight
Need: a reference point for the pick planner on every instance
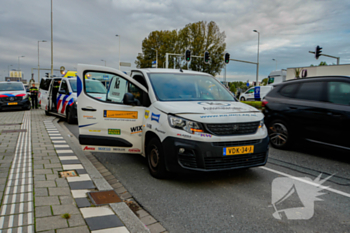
(261, 124)
(184, 124)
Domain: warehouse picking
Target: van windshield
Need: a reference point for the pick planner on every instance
(73, 85)
(11, 86)
(188, 87)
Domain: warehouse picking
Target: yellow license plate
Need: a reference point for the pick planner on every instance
(238, 150)
(15, 103)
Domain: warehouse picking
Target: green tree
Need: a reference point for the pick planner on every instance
(197, 37)
(264, 81)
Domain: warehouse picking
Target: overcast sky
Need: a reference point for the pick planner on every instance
(84, 31)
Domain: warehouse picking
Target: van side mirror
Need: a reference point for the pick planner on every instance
(129, 99)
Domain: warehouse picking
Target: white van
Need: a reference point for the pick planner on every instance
(179, 120)
(249, 94)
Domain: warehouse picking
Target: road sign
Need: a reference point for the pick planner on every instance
(105, 77)
(247, 84)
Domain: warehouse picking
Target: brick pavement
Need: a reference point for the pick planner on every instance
(34, 197)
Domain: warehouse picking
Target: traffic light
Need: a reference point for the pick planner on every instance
(227, 58)
(47, 75)
(188, 55)
(318, 51)
(206, 57)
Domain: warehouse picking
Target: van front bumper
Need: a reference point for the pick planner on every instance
(208, 156)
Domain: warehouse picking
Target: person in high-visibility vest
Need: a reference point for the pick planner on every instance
(34, 96)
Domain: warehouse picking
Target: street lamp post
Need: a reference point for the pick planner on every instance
(276, 62)
(8, 70)
(38, 60)
(119, 49)
(257, 67)
(104, 61)
(19, 66)
(51, 42)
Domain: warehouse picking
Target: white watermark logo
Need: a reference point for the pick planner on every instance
(301, 193)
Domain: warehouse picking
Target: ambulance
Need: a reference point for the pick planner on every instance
(179, 120)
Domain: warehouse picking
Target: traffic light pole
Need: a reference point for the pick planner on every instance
(326, 55)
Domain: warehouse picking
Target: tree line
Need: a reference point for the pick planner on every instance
(197, 37)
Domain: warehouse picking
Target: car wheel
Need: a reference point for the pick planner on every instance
(155, 159)
(242, 99)
(280, 135)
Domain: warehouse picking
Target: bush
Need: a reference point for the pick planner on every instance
(255, 104)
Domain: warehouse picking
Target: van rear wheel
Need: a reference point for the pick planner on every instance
(155, 159)
(242, 99)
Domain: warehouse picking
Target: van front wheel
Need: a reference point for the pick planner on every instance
(155, 159)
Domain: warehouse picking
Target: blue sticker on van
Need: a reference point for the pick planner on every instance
(155, 117)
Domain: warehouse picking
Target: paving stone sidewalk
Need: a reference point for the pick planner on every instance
(34, 196)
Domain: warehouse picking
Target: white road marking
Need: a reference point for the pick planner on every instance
(83, 177)
(96, 211)
(307, 182)
(68, 157)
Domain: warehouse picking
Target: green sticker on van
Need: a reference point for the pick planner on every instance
(114, 131)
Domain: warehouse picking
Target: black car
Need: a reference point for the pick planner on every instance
(315, 109)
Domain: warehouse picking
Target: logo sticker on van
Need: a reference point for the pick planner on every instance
(155, 117)
(120, 114)
(136, 129)
(146, 114)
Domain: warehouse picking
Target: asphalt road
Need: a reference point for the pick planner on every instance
(241, 201)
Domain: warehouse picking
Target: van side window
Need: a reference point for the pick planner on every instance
(339, 93)
(289, 90)
(310, 91)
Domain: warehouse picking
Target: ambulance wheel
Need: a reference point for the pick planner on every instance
(155, 159)
(69, 116)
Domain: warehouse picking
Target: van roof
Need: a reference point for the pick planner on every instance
(152, 70)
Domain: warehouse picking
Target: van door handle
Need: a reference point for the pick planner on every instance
(89, 109)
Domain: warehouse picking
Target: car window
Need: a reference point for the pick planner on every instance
(289, 90)
(310, 91)
(250, 91)
(10, 86)
(64, 86)
(339, 93)
(73, 85)
(44, 84)
(117, 87)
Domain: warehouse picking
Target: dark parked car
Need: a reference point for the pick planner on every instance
(315, 109)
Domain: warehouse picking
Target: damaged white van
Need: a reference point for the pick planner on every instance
(179, 120)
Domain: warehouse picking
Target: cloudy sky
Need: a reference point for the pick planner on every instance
(84, 31)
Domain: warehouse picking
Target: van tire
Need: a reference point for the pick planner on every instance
(155, 159)
(280, 134)
(242, 99)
